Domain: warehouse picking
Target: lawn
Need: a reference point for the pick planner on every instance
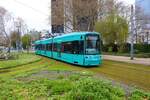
(22, 59)
(44, 78)
(131, 74)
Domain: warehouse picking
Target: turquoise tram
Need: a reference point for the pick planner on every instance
(79, 48)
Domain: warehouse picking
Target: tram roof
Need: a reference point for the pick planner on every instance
(69, 34)
(75, 34)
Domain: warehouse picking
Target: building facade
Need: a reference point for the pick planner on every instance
(145, 5)
(73, 15)
(57, 16)
(142, 16)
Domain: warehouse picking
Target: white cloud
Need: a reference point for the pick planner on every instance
(34, 12)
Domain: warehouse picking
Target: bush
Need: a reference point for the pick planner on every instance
(92, 89)
(125, 48)
(105, 48)
(144, 48)
(87, 88)
(139, 95)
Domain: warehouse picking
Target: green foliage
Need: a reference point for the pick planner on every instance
(139, 95)
(91, 89)
(59, 87)
(44, 88)
(14, 36)
(145, 48)
(83, 89)
(113, 29)
(26, 41)
(74, 77)
(60, 77)
(73, 86)
(125, 48)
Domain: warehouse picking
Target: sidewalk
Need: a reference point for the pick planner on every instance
(143, 61)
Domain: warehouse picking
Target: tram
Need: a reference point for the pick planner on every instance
(79, 48)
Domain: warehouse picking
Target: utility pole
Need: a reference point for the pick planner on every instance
(147, 35)
(132, 34)
(18, 43)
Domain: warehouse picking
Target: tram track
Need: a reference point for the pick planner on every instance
(13, 67)
(38, 64)
(117, 71)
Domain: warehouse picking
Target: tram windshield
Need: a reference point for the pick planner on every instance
(92, 44)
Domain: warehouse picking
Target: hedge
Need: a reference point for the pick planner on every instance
(125, 48)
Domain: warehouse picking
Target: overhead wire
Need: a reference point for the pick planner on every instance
(28, 6)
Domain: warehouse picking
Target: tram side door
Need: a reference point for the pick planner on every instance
(59, 50)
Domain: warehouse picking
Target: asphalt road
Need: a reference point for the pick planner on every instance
(143, 61)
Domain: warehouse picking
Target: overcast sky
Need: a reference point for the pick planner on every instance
(33, 12)
(128, 1)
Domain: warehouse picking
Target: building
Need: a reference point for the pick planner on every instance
(57, 15)
(145, 5)
(142, 12)
(73, 15)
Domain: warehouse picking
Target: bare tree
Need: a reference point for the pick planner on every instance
(141, 22)
(75, 15)
(82, 14)
(4, 22)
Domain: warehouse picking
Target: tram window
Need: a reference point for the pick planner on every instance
(50, 47)
(78, 47)
(67, 47)
(55, 47)
(73, 47)
(62, 47)
(43, 47)
(81, 47)
(40, 47)
(47, 47)
(36, 47)
(92, 44)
